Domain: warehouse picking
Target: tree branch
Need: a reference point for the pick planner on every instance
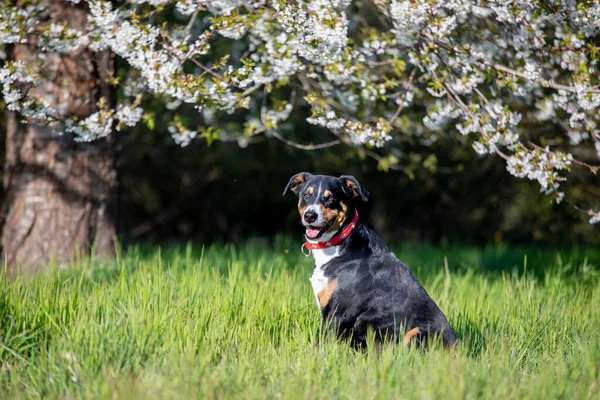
(188, 27)
(309, 147)
(543, 82)
(510, 71)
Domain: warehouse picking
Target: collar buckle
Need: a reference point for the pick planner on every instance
(307, 253)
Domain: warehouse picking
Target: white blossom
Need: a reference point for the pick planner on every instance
(182, 137)
(60, 38)
(129, 115)
(98, 125)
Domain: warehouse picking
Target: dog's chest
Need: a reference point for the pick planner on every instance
(318, 280)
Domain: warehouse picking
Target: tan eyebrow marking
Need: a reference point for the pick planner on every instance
(301, 209)
(326, 194)
(310, 190)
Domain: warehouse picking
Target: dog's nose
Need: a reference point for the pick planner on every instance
(310, 216)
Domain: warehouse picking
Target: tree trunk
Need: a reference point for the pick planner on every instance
(60, 196)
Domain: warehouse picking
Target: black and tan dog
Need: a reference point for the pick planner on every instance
(359, 284)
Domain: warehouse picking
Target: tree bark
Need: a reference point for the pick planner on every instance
(60, 196)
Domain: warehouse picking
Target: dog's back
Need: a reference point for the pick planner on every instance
(374, 289)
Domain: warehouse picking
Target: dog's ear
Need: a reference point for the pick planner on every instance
(352, 188)
(296, 182)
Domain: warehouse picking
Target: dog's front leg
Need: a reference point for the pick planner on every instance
(332, 324)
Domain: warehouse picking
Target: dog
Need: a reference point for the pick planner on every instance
(359, 284)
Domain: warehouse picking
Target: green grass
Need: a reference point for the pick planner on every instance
(240, 322)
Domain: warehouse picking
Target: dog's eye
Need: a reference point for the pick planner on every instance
(306, 195)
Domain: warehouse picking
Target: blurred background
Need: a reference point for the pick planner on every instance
(231, 190)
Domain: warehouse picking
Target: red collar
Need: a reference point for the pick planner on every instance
(334, 240)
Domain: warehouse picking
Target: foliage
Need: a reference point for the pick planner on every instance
(225, 192)
(226, 322)
(518, 79)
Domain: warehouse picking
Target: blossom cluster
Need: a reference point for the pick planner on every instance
(370, 71)
(539, 164)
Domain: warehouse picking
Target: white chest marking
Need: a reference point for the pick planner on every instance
(318, 279)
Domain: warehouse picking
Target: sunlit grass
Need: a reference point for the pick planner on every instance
(241, 322)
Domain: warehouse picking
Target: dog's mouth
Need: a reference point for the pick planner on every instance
(315, 232)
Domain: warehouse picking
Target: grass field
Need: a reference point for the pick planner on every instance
(240, 322)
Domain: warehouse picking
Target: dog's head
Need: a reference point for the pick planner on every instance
(325, 202)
